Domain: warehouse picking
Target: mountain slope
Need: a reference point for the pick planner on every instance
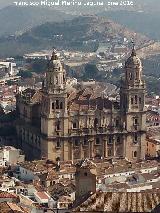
(19, 19)
(69, 34)
(146, 23)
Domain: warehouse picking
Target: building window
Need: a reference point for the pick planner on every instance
(117, 122)
(135, 154)
(131, 100)
(85, 142)
(135, 121)
(118, 139)
(97, 141)
(61, 105)
(140, 100)
(135, 138)
(95, 122)
(58, 144)
(58, 125)
(130, 76)
(75, 125)
(57, 104)
(135, 99)
(110, 140)
(53, 105)
(76, 142)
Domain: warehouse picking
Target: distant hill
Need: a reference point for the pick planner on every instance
(20, 19)
(146, 23)
(74, 34)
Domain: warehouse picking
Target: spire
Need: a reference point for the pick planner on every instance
(133, 50)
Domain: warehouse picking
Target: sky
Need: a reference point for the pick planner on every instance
(150, 3)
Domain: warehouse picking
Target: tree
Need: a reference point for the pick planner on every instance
(91, 71)
(25, 74)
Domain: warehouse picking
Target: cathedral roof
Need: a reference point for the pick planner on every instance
(120, 202)
(88, 98)
(133, 60)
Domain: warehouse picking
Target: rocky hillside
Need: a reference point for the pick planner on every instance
(79, 33)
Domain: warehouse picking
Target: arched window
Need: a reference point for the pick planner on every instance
(110, 140)
(95, 122)
(117, 122)
(140, 100)
(53, 105)
(76, 142)
(135, 138)
(97, 141)
(136, 99)
(130, 76)
(58, 126)
(131, 100)
(118, 139)
(135, 154)
(56, 80)
(58, 144)
(61, 105)
(85, 142)
(74, 125)
(57, 104)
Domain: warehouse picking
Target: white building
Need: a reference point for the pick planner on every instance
(10, 66)
(10, 155)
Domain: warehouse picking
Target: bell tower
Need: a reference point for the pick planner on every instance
(54, 109)
(132, 104)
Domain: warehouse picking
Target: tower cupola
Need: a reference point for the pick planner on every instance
(55, 75)
(133, 69)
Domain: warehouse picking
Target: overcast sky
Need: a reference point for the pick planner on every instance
(153, 3)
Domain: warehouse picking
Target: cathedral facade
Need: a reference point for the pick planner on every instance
(53, 124)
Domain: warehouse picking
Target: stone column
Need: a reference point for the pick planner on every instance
(114, 146)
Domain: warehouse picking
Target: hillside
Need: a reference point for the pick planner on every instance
(20, 19)
(82, 33)
(143, 22)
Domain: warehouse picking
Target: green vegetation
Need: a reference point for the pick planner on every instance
(25, 74)
(38, 65)
(91, 72)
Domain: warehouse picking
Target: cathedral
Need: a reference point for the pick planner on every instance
(55, 124)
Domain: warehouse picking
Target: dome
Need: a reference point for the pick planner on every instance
(133, 60)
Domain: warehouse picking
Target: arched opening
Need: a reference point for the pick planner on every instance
(118, 139)
(57, 104)
(130, 76)
(136, 99)
(58, 127)
(76, 142)
(61, 105)
(95, 122)
(53, 105)
(58, 144)
(131, 100)
(75, 125)
(135, 154)
(97, 141)
(117, 122)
